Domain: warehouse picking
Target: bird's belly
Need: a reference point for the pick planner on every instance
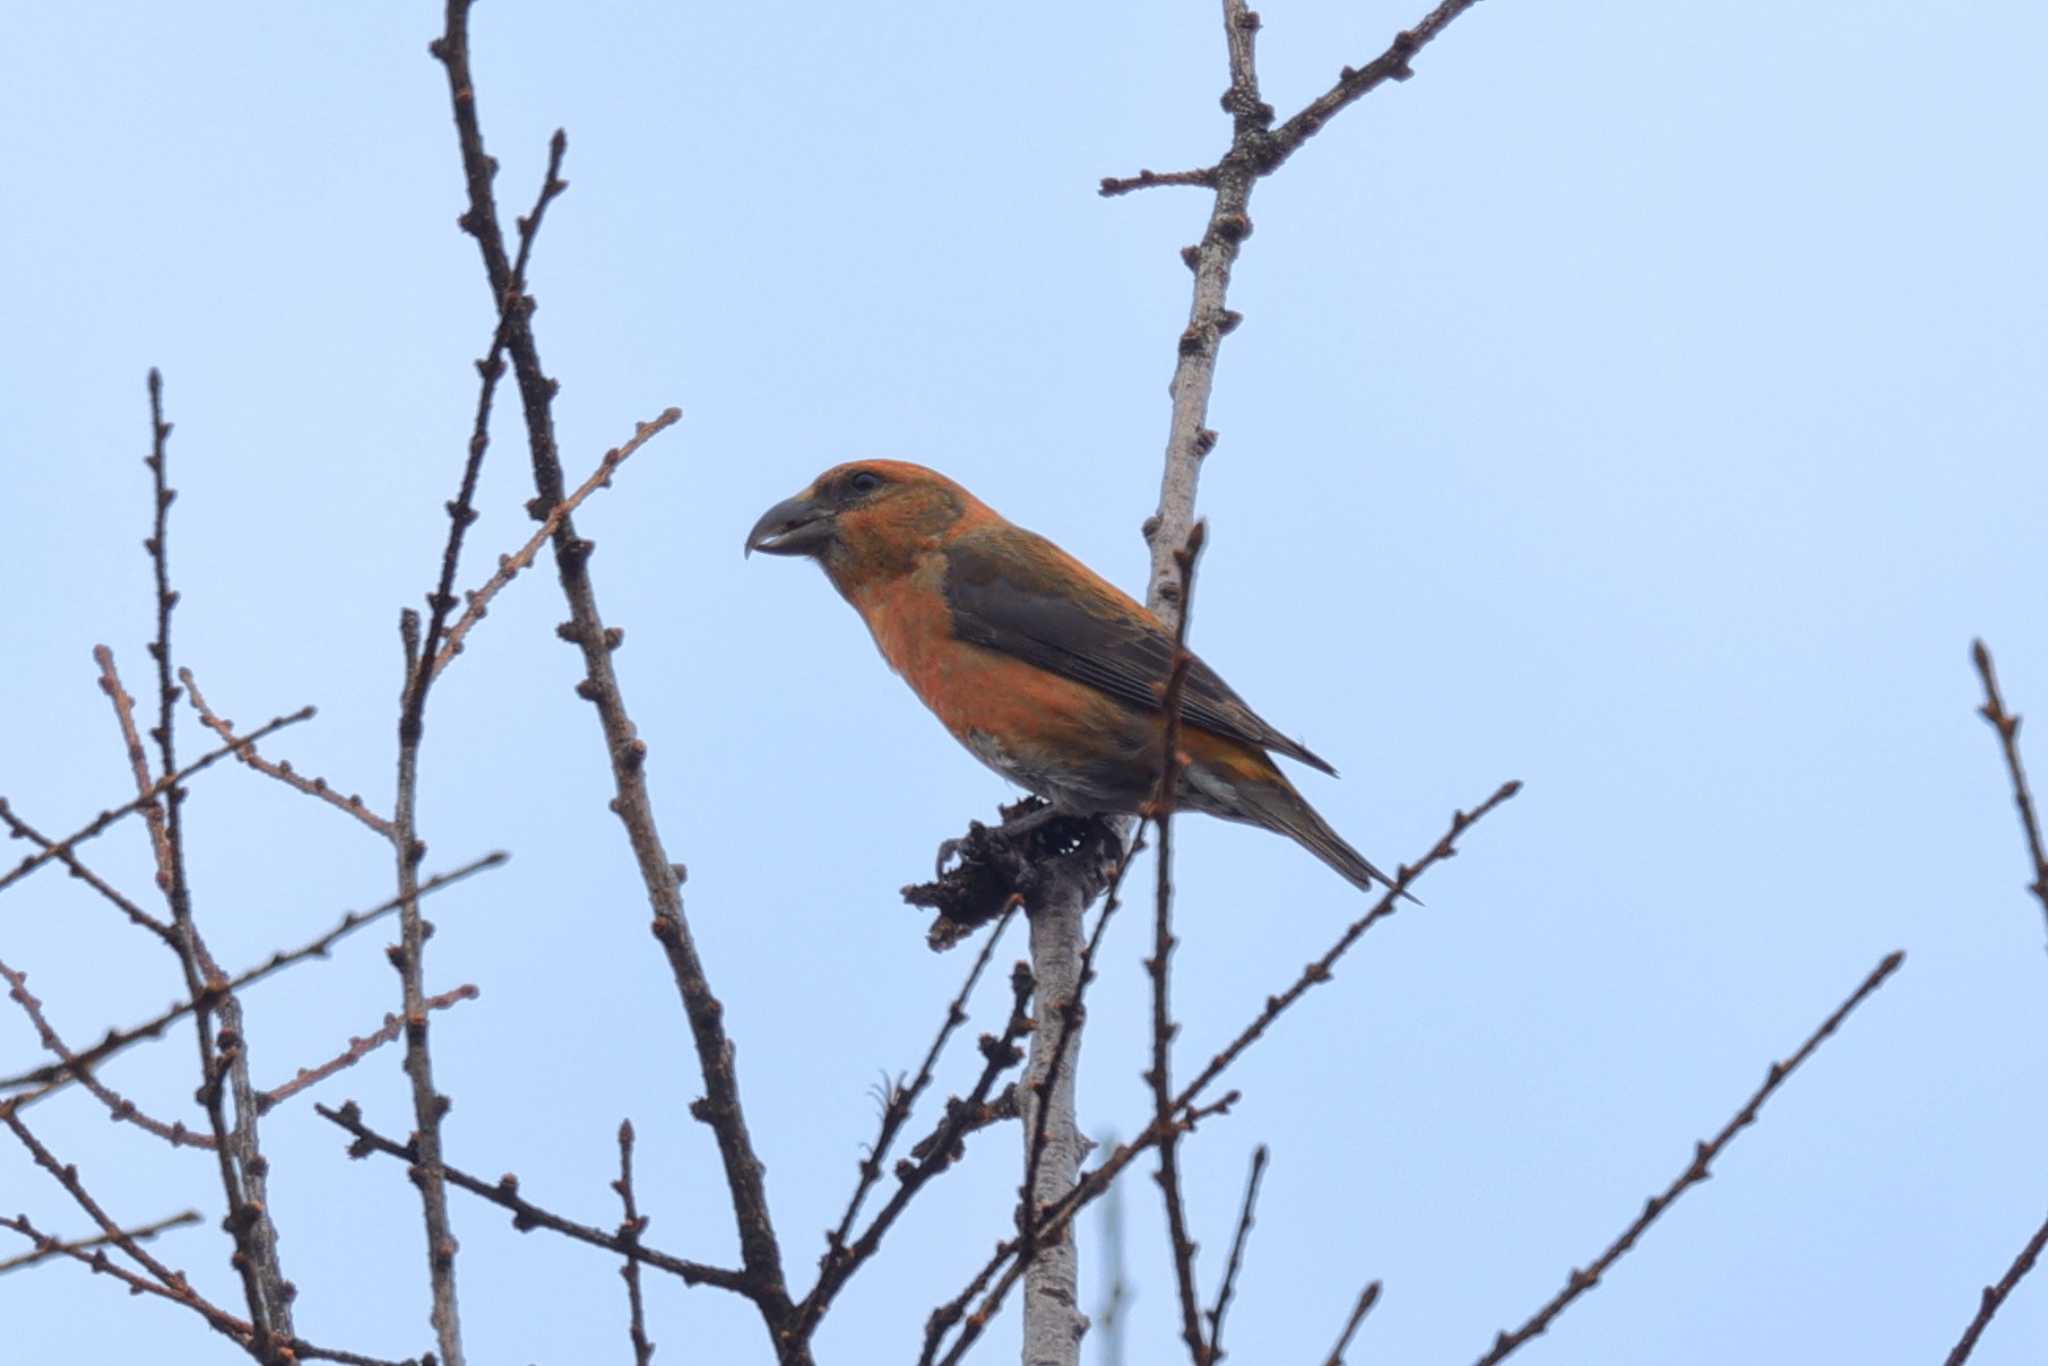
(1075, 746)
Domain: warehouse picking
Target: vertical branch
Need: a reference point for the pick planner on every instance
(223, 1057)
(2007, 724)
(429, 1172)
(1053, 1322)
(1236, 1262)
(720, 1107)
(630, 1229)
(1159, 966)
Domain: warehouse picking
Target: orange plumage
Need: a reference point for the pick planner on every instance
(1045, 671)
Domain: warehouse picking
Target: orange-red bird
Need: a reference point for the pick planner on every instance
(1048, 673)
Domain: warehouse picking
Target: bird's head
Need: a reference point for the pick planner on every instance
(865, 518)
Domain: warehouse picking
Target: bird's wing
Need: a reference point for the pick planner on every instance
(1017, 592)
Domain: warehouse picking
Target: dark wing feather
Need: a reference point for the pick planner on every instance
(1018, 593)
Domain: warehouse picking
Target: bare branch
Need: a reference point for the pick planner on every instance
(54, 1078)
(100, 823)
(357, 1050)
(280, 770)
(2008, 727)
(510, 565)
(720, 1107)
(940, 1150)
(630, 1229)
(17, 828)
(118, 1106)
(527, 1216)
(1367, 1298)
(1994, 1296)
(1159, 967)
(172, 1285)
(52, 1247)
(1695, 1172)
(901, 1099)
(1004, 1268)
(1236, 1262)
(462, 510)
(223, 1057)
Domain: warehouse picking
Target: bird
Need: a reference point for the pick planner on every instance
(1045, 671)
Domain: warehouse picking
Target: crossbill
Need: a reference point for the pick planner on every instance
(1044, 670)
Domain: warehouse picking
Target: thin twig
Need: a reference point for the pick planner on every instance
(902, 1099)
(223, 1056)
(171, 1284)
(91, 1252)
(45, 1250)
(630, 1229)
(1582, 1280)
(527, 1216)
(100, 823)
(462, 509)
(1320, 971)
(1994, 1296)
(941, 1149)
(357, 1050)
(1159, 1076)
(1236, 1262)
(17, 828)
(57, 1076)
(118, 1106)
(510, 565)
(720, 1108)
(279, 769)
(1367, 1298)
(2008, 727)
(1270, 149)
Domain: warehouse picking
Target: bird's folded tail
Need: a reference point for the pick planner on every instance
(1280, 808)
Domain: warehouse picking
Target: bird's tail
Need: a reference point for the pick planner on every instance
(1280, 808)
(1276, 805)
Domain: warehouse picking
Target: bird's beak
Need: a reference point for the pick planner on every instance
(794, 526)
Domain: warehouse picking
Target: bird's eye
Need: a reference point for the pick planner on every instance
(864, 481)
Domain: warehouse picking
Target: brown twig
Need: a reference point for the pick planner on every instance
(100, 823)
(1008, 1259)
(17, 828)
(720, 1108)
(462, 510)
(47, 1247)
(1320, 971)
(172, 1285)
(223, 1056)
(901, 1099)
(49, 1079)
(1367, 1298)
(279, 769)
(527, 1216)
(1236, 1262)
(357, 1050)
(630, 1229)
(91, 1252)
(1582, 1280)
(940, 1150)
(1994, 1296)
(1268, 150)
(1159, 1076)
(510, 565)
(2008, 727)
(118, 1106)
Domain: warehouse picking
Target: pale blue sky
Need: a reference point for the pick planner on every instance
(1644, 402)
